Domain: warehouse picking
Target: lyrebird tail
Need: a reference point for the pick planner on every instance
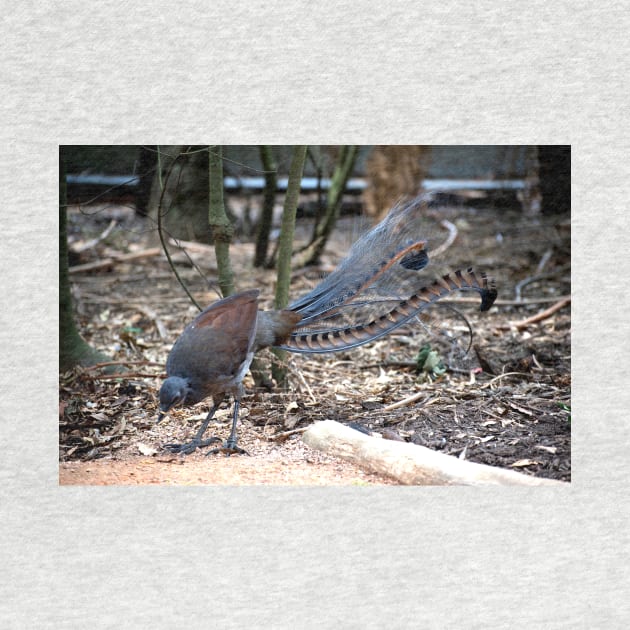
(332, 338)
(379, 286)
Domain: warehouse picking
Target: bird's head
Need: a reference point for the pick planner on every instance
(172, 393)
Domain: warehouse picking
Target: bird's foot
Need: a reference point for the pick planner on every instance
(189, 447)
(229, 448)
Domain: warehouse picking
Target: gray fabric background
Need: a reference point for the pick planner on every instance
(293, 72)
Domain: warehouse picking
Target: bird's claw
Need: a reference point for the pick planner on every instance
(189, 447)
(228, 448)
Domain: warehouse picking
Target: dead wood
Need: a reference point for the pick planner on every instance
(410, 464)
(539, 317)
(112, 260)
(78, 248)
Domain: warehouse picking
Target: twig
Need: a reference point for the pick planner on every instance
(496, 378)
(304, 384)
(90, 244)
(125, 376)
(407, 401)
(539, 316)
(160, 213)
(97, 366)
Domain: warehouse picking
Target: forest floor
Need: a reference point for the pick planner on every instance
(505, 403)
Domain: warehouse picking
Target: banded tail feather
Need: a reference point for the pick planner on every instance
(346, 337)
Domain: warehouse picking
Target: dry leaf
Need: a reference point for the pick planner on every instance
(146, 450)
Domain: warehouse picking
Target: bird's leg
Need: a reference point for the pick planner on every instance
(197, 442)
(229, 446)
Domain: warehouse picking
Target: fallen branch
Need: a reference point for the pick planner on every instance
(97, 366)
(79, 248)
(410, 464)
(539, 317)
(407, 401)
(201, 248)
(112, 260)
(497, 378)
(125, 376)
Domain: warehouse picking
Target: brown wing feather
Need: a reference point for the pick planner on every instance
(234, 312)
(212, 349)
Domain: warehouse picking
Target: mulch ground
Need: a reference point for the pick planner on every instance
(506, 402)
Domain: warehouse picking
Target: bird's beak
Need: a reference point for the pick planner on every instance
(160, 418)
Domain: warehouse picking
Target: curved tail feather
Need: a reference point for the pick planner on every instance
(333, 339)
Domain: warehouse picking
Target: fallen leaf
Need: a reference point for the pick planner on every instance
(146, 450)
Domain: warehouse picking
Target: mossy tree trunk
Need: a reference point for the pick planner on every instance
(73, 350)
(286, 249)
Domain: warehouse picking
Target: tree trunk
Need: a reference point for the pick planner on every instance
(286, 249)
(394, 173)
(222, 229)
(555, 178)
(344, 167)
(147, 163)
(185, 196)
(73, 350)
(269, 199)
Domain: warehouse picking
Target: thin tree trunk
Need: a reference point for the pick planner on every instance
(286, 249)
(314, 153)
(344, 167)
(147, 165)
(288, 226)
(269, 199)
(337, 186)
(222, 229)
